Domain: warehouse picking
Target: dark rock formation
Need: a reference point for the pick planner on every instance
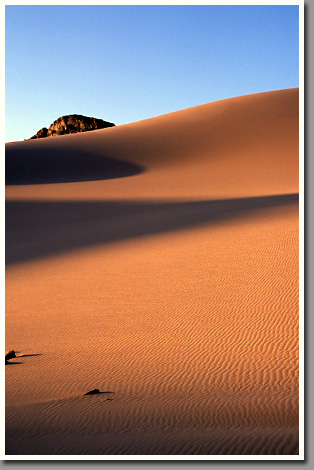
(71, 125)
(40, 134)
(9, 355)
(92, 392)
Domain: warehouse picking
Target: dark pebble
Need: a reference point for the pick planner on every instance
(92, 392)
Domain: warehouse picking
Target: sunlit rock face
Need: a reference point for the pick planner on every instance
(72, 124)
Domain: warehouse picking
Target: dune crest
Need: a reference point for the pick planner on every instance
(257, 133)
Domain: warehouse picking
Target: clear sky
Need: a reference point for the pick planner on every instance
(127, 63)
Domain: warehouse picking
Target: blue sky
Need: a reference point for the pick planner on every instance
(127, 63)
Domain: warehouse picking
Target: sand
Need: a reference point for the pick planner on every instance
(157, 261)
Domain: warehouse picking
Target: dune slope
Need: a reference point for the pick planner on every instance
(157, 261)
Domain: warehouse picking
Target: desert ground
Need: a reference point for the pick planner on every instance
(158, 262)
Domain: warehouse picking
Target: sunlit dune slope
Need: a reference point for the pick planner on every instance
(241, 146)
(157, 261)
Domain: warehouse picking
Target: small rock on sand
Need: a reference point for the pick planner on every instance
(92, 392)
(9, 355)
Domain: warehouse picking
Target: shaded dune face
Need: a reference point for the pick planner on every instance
(159, 261)
(35, 229)
(37, 165)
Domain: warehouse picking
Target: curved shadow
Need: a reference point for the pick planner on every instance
(26, 164)
(36, 229)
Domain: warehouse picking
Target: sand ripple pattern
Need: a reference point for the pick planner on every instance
(208, 358)
(146, 426)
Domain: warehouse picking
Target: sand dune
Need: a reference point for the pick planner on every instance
(159, 261)
(200, 145)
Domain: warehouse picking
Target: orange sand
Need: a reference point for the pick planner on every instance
(171, 281)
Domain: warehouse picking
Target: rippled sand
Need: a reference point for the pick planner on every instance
(168, 277)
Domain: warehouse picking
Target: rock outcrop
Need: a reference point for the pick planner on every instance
(71, 125)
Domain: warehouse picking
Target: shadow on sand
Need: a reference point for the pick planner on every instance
(28, 355)
(36, 165)
(9, 363)
(37, 229)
